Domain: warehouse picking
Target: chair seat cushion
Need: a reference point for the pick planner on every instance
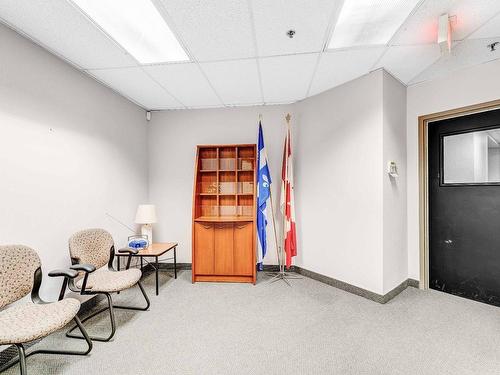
(111, 281)
(26, 322)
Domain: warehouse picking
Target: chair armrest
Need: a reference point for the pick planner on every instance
(128, 250)
(68, 274)
(87, 268)
(71, 274)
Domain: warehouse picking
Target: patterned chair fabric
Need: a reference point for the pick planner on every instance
(91, 246)
(106, 281)
(22, 323)
(28, 321)
(18, 264)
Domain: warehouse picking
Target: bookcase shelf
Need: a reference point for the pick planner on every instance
(224, 213)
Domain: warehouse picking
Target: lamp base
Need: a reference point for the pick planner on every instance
(147, 230)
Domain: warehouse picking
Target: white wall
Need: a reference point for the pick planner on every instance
(81, 151)
(458, 158)
(173, 136)
(494, 164)
(480, 156)
(465, 87)
(395, 267)
(339, 170)
(342, 139)
(71, 150)
(78, 151)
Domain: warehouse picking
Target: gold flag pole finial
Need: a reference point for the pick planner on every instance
(288, 117)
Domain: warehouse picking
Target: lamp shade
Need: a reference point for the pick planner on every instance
(146, 214)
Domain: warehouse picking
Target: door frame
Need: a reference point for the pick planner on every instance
(423, 170)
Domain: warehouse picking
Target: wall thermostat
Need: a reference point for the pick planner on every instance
(392, 169)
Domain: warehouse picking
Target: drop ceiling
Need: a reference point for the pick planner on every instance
(240, 54)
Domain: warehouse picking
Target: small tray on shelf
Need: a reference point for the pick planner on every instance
(208, 164)
(227, 210)
(227, 164)
(227, 188)
(209, 211)
(245, 164)
(245, 187)
(245, 210)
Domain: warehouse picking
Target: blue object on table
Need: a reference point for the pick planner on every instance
(138, 242)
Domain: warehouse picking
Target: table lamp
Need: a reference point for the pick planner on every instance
(146, 215)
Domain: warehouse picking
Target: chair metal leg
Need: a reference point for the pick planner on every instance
(22, 359)
(157, 270)
(22, 353)
(148, 303)
(111, 316)
(85, 336)
(111, 308)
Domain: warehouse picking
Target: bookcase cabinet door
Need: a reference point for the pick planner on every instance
(243, 249)
(224, 234)
(204, 245)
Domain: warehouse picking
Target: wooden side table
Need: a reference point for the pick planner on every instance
(154, 250)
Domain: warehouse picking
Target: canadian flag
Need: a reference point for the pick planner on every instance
(287, 204)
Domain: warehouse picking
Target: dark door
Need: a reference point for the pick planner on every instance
(464, 206)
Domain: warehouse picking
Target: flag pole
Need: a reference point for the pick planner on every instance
(282, 275)
(283, 226)
(272, 215)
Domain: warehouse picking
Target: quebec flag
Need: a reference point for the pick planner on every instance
(263, 196)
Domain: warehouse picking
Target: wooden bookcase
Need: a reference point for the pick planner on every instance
(224, 213)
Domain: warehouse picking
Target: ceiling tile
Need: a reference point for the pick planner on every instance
(222, 30)
(463, 55)
(338, 67)
(65, 30)
(405, 62)
(489, 30)
(309, 18)
(186, 82)
(469, 15)
(236, 81)
(137, 85)
(287, 78)
(369, 22)
(212, 30)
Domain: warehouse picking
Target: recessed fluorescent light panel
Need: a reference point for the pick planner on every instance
(369, 22)
(138, 27)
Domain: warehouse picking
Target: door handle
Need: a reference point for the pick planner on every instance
(240, 227)
(207, 226)
(448, 242)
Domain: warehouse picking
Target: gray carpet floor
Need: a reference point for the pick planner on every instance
(310, 328)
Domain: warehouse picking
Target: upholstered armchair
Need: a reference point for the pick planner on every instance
(21, 323)
(90, 251)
